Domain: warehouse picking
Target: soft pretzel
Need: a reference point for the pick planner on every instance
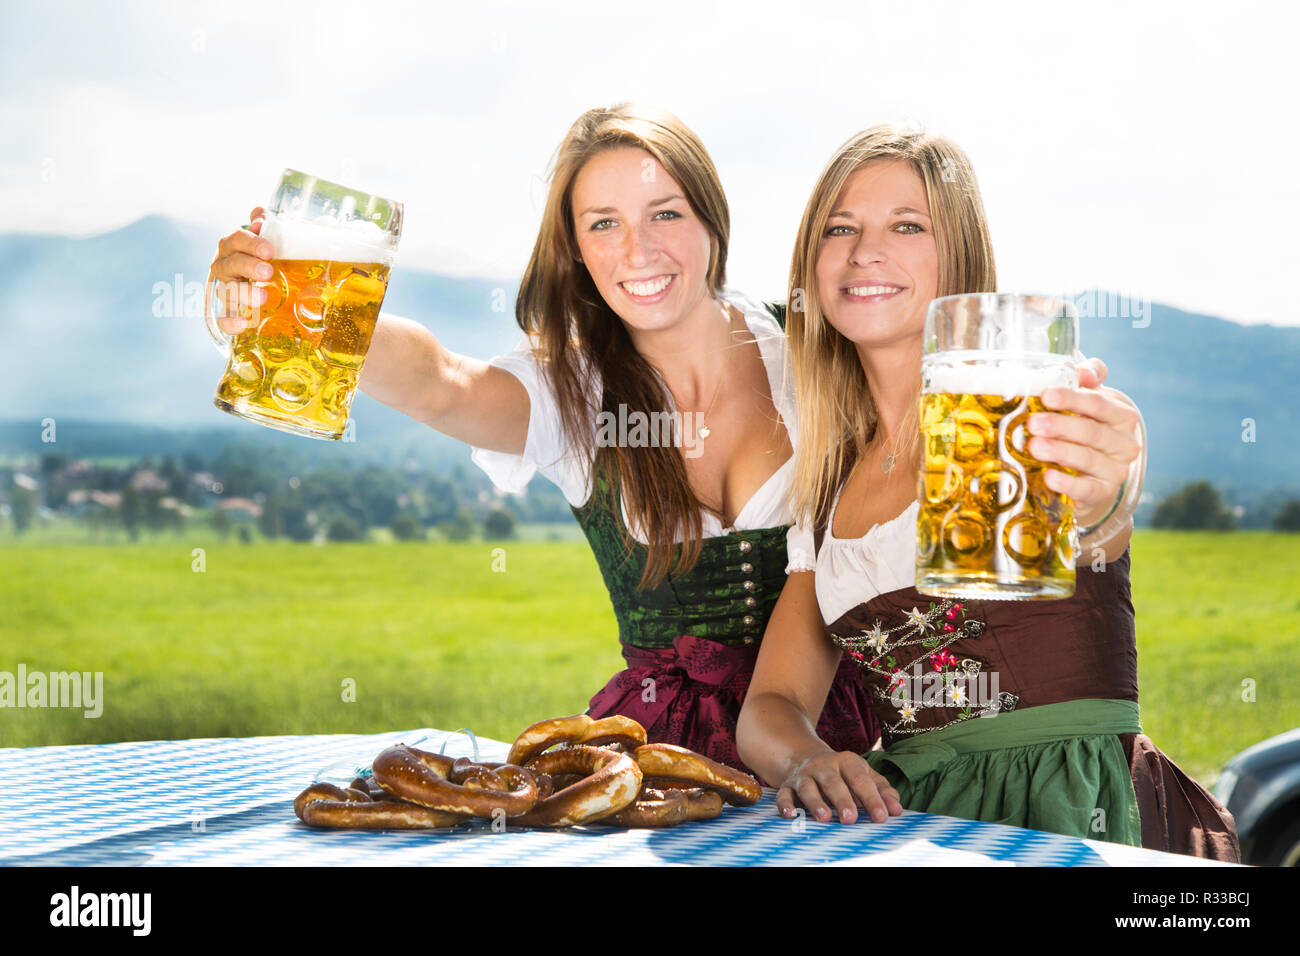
(545, 786)
(610, 781)
(667, 808)
(454, 785)
(367, 786)
(703, 804)
(325, 805)
(562, 780)
(671, 767)
(587, 778)
(579, 729)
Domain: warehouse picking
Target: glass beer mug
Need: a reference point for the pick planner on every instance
(989, 527)
(296, 367)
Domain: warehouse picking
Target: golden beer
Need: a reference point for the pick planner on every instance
(988, 524)
(296, 366)
(300, 364)
(988, 527)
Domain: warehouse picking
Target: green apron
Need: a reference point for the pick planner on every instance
(1058, 767)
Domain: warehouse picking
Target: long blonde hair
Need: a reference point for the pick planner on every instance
(837, 414)
(580, 333)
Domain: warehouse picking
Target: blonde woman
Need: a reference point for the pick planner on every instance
(628, 318)
(896, 220)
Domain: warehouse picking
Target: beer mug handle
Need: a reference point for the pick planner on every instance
(210, 304)
(1130, 492)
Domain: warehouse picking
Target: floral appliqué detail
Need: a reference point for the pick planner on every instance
(950, 683)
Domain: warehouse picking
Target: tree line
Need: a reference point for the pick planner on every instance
(243, 492)
(344, 502)
(1199, 507)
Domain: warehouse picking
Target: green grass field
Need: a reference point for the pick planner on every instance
(266, 639)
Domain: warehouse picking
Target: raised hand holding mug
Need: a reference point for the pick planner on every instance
(989, 527)
(296, 364)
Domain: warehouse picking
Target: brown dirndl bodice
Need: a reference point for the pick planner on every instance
(1041, 653)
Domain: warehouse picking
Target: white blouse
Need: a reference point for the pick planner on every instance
(546, 451)
(852, 571)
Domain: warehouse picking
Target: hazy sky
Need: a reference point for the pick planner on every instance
(1148, 148)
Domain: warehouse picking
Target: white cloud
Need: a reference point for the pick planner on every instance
(1145, 148)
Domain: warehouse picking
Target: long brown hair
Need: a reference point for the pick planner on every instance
(837, 414)
(579, 333)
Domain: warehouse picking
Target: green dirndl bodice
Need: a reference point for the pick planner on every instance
(727, 597)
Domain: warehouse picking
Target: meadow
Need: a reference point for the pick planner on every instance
(281, 638)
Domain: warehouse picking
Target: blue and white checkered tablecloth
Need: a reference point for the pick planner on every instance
(229, 802)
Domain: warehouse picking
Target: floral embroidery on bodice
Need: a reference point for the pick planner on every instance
(911, 666)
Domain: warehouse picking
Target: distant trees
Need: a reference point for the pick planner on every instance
(22, 506)
(284, 514)
(1288, 518)
(441, 500)
(1194, 507)
(132, 511)
(288, 497)
(299, 523)
(343, 528)
(499, 524)
(222, 523)
(178, 482)
(459, 528)
(407, 527)
(271, 520)
(294, 499)
(376, 490)
(52, 463)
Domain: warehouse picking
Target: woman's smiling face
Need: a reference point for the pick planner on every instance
(877, 263)
(646, 250)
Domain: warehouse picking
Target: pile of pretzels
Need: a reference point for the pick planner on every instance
(565, 772)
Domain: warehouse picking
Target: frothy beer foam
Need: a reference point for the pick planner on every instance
(1008, 379)
(327, 239)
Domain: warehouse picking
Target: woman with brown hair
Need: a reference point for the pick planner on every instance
(894, 221)
(654, 397)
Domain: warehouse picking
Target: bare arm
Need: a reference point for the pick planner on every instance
(776, 733)
(406, 367)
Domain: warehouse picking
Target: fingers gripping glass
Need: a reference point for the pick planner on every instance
(295, 367)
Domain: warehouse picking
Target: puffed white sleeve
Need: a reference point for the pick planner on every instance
(800, 550)
(545, 450)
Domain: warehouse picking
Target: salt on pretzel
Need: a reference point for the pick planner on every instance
(667, 808)
(325, 805)
(454, 785)
(610, 781)
(545, 786)
(579, 729)
(671, 767)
